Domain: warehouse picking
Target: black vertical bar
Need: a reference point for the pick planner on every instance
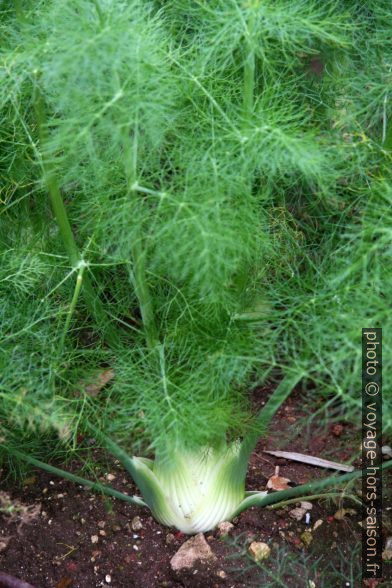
(371, 452)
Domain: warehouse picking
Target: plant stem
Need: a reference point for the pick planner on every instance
(138, 253)
(99, 12)
(303, 489)
(142, 291)
(78, 285)
(53, 187)
(249, 84)
(93, 303)
(249, 71)
(315, 497)
(387, 144)
(77, 479)
(20, 15)
(265, 415)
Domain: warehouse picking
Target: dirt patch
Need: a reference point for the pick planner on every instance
(77, 539)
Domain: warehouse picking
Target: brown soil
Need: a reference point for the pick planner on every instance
(72, 538)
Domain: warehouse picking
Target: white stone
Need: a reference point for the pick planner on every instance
(386, 450)
(224, 528)
(136, 524)
(306, 505)
(221, 574)
(317, 524)
(297, 513)
(192, 551)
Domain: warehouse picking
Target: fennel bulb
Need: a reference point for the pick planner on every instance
(194, 491)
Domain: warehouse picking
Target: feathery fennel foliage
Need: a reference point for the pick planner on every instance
(196, 194)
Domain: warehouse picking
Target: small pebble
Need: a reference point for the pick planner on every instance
(94, 538)
(387, 553)
(317, 524)
(169, 538)
(108, 579)
(297, 513)
(259, 551)
(221, 574)
(136, 524)
(306, 505)
(386, 450)
(224, 528)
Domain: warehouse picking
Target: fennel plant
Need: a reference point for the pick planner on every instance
(183, 198)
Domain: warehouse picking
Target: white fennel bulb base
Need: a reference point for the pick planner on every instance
(194, 491)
